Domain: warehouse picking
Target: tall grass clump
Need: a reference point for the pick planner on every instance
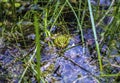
(77, 16)
(110, 30)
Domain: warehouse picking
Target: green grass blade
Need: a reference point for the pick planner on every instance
(79, 25)
(95, 36)
(38, 46)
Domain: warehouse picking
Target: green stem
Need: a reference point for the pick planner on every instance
(95, 36)
(38, 46)
(79, 25)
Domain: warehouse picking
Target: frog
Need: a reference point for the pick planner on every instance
(62, 40)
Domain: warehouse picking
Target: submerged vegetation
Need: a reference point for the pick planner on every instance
(59, 41)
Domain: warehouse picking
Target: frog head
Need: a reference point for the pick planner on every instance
(61, 41)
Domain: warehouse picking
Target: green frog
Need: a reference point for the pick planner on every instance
(61, 41)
